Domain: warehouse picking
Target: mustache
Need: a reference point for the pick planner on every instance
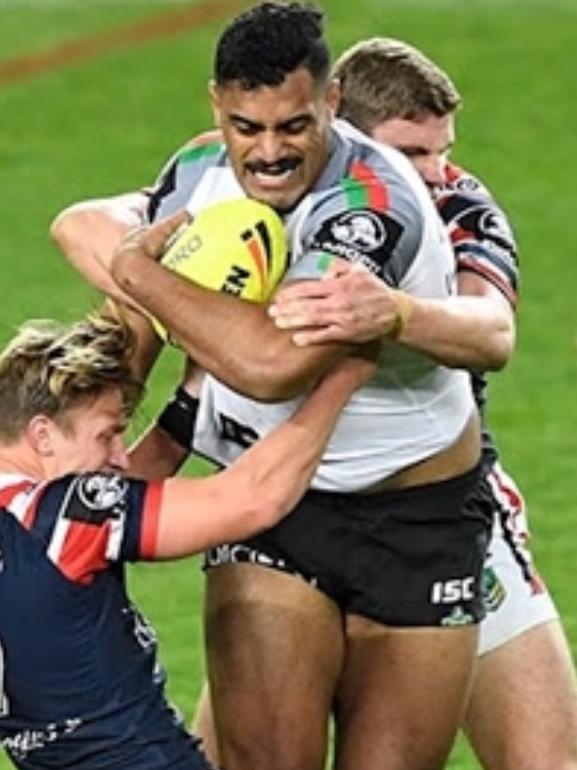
(278, 167)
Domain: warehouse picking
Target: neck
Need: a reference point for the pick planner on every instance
(18, 458)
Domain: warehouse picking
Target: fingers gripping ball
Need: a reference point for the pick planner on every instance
(237, 246)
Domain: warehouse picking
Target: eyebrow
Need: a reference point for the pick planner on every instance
(282, 125)
(421, 150)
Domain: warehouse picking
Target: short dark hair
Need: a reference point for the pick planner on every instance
(261, 46)
(383, 78)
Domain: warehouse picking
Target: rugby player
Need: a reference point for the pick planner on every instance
(80, 685)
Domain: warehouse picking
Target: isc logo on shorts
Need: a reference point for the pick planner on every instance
(454, 590)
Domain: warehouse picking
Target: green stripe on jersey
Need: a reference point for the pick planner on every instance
(190, 154)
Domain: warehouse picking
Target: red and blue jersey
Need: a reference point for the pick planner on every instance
(80, 686)
(484, 244)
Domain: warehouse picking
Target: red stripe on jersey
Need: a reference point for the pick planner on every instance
(482, 269)
(8, 494)
(458, 234)
(376, 190)
(452, 173)
(150, 519)
(513, 496)
(83, 551)
(30, 516)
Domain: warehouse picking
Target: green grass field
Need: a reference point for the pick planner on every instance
(107, 123)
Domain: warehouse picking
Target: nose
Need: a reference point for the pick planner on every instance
(269, 146)
(118, 459)
(432, 169)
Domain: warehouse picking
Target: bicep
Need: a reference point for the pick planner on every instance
(196, 514)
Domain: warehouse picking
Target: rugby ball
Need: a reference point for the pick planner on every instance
(237, 246)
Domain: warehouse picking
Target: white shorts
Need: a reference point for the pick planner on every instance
(516, 599)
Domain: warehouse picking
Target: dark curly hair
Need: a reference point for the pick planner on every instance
(261, 46)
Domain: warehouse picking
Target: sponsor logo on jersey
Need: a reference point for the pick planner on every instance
(359, 229)
(494, 592)
(238, 553)
(100, 491)
(95, 498)
(457, 617)
(21, 744)
(361, 235)
(453, 590)
(493, 225)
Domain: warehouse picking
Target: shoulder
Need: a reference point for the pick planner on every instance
(480, 232)
(369, 206)
(87, 521)
(184, 171)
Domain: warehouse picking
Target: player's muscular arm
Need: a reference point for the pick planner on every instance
(167, 443)
(474, 330)
(88, 232)
(265, 482)
(231, 338)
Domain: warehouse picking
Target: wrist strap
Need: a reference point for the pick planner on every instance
(404, 310)
(178, 417)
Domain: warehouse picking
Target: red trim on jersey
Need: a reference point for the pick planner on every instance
(458, 234)
(150, 519)
(452, 173)
(8, 494)
(377, 192)
(83, 551)
(30, 516)
(482, 269)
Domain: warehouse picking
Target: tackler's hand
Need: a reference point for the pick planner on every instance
(348, 304)
(147, 241)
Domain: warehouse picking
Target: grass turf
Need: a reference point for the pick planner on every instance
(106, 124)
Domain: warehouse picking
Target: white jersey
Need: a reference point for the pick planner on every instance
(369, 205)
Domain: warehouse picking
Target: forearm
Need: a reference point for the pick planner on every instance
(474, 330)
(167, 443)
(87, 234)
(147, 345)
(232, 339)
(279, 468)
(262, 485)
(463, 331)
(155, 455)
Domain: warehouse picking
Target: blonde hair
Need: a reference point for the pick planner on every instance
(382, 78)
(49, 368)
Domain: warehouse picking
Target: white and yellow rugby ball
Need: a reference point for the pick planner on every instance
(237, 246)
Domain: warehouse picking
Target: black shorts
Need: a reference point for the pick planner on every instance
(410, 557)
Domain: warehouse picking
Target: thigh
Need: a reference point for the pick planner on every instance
(401, 695)
(522, 713)
(203, 726)
(274, 652)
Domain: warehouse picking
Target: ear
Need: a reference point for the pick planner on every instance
(333, 96)
(215, 102)
(39, 434)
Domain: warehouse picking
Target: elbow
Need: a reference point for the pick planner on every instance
(271, 508)
(268, 387)
(269, 378)
(63, 229)
(499, 351)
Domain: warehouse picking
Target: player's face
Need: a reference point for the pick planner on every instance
(89, 438)
(277, 137)
(427, 143)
